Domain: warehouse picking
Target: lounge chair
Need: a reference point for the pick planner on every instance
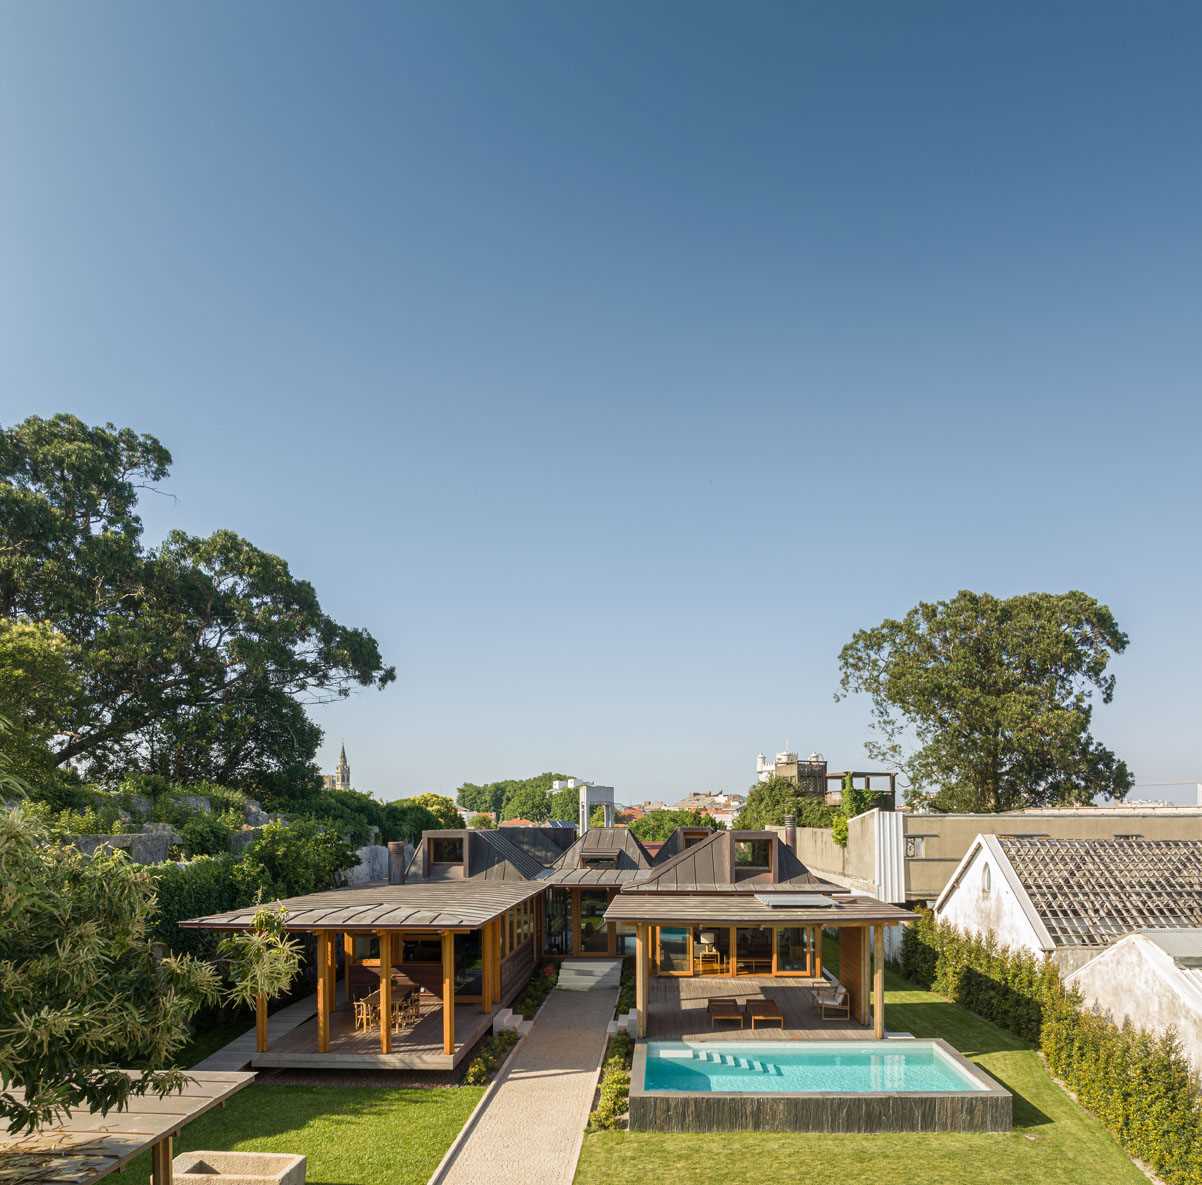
(764, 1012)
(832, 998)
(724, 1008)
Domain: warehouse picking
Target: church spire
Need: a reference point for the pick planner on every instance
(342, 773)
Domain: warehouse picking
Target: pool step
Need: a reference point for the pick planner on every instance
(741, 1063)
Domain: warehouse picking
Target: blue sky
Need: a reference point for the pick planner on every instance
(612, 364)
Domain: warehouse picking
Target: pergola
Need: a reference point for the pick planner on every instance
(503, 912)
(859, 921)
(85, 1146)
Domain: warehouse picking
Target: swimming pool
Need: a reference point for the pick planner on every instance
(801, 1066)
(898, 1084)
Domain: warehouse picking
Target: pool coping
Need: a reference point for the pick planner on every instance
(987, 1087)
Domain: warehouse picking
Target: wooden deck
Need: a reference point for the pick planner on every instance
(677, 1010)
(418, 1048)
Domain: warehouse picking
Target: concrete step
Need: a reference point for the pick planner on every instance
(583, 975)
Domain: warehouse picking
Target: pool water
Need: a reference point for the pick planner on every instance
(764, 1067)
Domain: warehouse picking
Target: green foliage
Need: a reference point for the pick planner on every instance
(404, 819)
(262, 961)
(998, 694)
(839, 830)
(81, 991)
(541, 984)
(626, 988)
(769, 802)
(482, 822)
(855, 800)
(440, 806)
(656, 826)
(490, 1059)
(292, 859)
(189, 659)
(205, 835)
(613, 1099)
(491, 796)
(528, 802)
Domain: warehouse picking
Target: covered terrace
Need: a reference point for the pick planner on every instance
(408, 976)
(764, 946)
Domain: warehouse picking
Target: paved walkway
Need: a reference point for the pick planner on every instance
(532, 1128)
(237, 1054)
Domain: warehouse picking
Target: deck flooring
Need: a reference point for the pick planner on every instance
(677, 1010)
(418, 1048)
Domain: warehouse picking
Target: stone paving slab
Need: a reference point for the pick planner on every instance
(531, 1130)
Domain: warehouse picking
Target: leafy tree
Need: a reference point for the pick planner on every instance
(292, 859)
(480, 798)
(564, 804)
(81, 992)
(527, 802)
(492, 796)
(205, 834)
(404, 819)
(190, 659)
(768, 803)
(441, 807)
(999, 696)
(656, 826)
(482, 822)
(261, 961)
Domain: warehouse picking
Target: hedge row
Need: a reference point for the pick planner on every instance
(1139, 1084)
(613, 1101)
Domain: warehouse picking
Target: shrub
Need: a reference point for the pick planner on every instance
(205, 835)
(488, 1061)
(614, 1096)
(541, 984)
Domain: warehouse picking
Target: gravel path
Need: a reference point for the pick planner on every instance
(531, 1130)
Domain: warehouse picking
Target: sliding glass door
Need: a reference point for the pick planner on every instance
(674, 950)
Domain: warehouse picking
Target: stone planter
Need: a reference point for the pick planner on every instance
(238, 1168)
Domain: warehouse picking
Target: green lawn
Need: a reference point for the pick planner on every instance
(352, 1135)
(1054, 1142)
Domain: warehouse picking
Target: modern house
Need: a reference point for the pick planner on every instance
(1070, 898)
(1152, 978)
(712, 914)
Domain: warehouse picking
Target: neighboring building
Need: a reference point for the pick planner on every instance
(811, 776)
(590, 795)
(340, 779)
(1069, 898)
(1152, 978)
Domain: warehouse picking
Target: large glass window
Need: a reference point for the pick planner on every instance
(793, 950)
(446, 851)
(711, 950)
(469, 964)
(557, 927)
(754, 950)
(672, 950)
(752, 853)
(594, 932)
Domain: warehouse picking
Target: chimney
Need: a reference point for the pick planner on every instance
(396, 863)
(791, 832)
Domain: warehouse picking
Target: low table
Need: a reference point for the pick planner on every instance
(764, 1012)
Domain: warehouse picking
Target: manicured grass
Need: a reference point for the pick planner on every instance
(1054, 1142)
(352, 1135)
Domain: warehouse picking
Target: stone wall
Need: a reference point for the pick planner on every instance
(372, 866)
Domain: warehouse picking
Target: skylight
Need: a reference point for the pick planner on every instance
(796, 901)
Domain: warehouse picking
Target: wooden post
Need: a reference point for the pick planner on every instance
(332, 968)
(260, 1024)
(348, 961)
(323, 991)
(485, 968)
(575, 921)
(448, 993)
(160, 1161)
(642, 943)
(734, 950)
(385, 991)
(878, 982)
(817, 940)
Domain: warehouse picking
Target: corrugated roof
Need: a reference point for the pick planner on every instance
(506, 852)
(1089, 892)
(420, 905)
(617, 842)
(743, 909)
(594, 876)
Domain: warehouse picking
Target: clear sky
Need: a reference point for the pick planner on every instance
(612, 363)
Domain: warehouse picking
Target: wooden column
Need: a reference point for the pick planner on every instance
(495, 942)
(323, 991)
(160, 1161)
(385, 991)
(642, 944)
(332, 967)
(260, 1024)
(486, 967)
(878, 982)
(448, 992)
(816, 932)
(734, 962)
(575, 895)
(348, 961)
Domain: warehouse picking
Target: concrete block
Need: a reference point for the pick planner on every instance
(239, 1168)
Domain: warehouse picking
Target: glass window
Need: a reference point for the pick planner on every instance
(469, 964)
(422, 950)
(594, 933)
(752, 853)
(753, 950)
(444, 850)
(557, 922)
(793, 949)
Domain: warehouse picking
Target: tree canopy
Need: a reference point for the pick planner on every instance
(768, 803)
(192, 659)
(82, 993)
(656, 826)
(494, 796)
(440, 807)
(998, 693)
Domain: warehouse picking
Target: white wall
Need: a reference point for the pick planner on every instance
(999, 911)
(1137, 981)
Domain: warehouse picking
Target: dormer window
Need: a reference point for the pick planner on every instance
(753, 853)
(695, 837)
(445, 850)
(607, 860)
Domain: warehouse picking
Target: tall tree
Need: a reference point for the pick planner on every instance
(769, 803)
(998, 694)
(440, 806)
(193, 658)
(656, 826)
